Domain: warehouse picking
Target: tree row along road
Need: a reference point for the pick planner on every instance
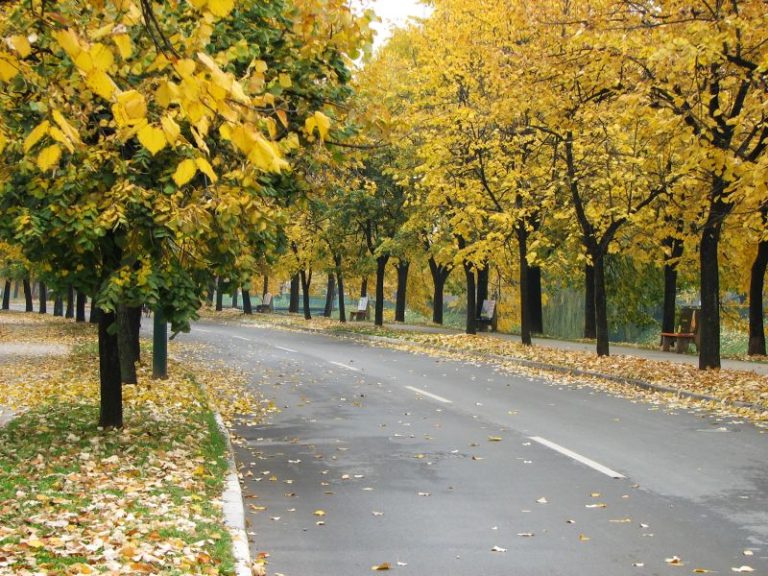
(435, 466)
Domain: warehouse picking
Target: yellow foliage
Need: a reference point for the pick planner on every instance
(152, 138)
(49, 157)
(185, 171)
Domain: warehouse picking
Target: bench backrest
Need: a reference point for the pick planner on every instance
(688, 321)
(362, 304)
(489, 307)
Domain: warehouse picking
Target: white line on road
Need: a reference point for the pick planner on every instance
(578, 457)
(429, 395)
(344, 366)
(284, 349)
(241, 338)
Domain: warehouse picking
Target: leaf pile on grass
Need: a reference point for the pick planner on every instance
(142, 500)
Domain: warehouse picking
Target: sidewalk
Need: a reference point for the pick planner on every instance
(615, 349)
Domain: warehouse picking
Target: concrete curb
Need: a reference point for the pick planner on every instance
(234, 513)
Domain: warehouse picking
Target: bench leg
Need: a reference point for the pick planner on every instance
(682, 345)
(666, 342)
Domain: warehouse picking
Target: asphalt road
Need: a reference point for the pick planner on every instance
(440, 467)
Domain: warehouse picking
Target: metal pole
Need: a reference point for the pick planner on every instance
(160, 347)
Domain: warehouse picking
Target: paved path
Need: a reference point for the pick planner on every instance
(441, 467)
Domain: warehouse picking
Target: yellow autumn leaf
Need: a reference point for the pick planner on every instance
(101, 56)
(185, 171)
(65, 126)
(36, 135)
(58, 135)
(171, 129)
(166, 94)
(9, 67)
(152, 138)
(220, 8)
(3, 142)
(124, 45)
(199, 4)
(206, 169)
(323, 124)
(285, 80)
(130, 108)
(185, 67)
(49, 157)
(21, 45)
(69, 42)
(100, 82)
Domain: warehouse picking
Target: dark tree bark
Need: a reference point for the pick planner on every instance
(330, 294)
(58, 306)
(483, 279)
(590, 325)
(469, 274)
(211, 290)
(306, 280)
(219, 295)
(709, 323)
(7, 295)
(265, 286)
(535, 309)
(756, 285)
(293, 305)
(70, 311)
(28, 295)
(111, 408)
(234, 298)
(247, 307)
(440, 274)
(126, 354)
(402, 288)
(364, 288)
(601, 305)
(381, 268)
(525, 279)
(96, 313)
(340, 280)
(43, 294)
(80, 307)
(674, 250)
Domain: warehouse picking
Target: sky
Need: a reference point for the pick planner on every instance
(394, 13)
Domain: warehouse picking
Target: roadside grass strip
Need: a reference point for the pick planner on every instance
(75, 499)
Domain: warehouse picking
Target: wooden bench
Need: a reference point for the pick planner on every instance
(487, 316)
(362, 310)
(687, 332)
(266, 304)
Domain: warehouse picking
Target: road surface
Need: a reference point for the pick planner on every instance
(442, 467)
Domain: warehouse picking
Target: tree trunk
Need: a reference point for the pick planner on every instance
(590, 327)
(135, 317)
(7, 295)
(219, 295)
(96, 313)
(111, 409)
(601, 304)
(525, 278)
(43, 298)
(234, 298)
(293, 305)
(70, 311)
(58, 306)
(330, 294)
(483, 279)
(28, 295)
(247, 307)
(469, 274)
(340, 279)
(264, 286)
(675, 247)
(535, 309)
(402, 288)
(381, 268)
(440, 274)
(364, 288)
(756, 285)
(306, 279)
(125, 345)
(709, 324)
(80, 307)
(211, 289)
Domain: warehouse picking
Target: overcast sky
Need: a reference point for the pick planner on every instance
(394, 13)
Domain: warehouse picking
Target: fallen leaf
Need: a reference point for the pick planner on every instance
(542, 500)
(498, 549)
(319, 512)
(674, 561)
(743, 569)
(382, 566)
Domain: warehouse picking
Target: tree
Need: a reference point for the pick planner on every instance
(131, 165)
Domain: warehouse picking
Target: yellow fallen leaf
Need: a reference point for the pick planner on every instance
(382, 566)
(319, 513)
